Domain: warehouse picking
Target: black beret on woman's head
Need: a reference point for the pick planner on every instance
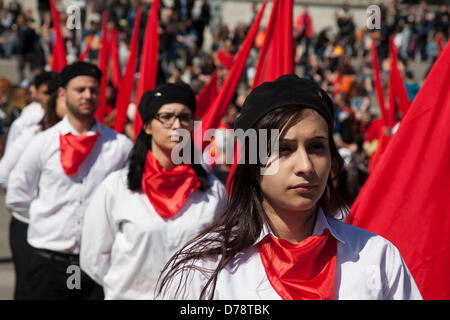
(154, 99)
(286, 90)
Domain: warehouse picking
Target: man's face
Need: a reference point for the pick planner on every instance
(81, 96)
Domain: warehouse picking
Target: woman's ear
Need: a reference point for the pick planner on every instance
(148, 128)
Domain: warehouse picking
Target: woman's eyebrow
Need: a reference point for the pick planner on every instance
(319, 137)
(312, 138)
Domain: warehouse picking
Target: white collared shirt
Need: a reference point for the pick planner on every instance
(125, 243)
(55, 201)
(368, 267)
(13, 153)
(29, 116)
(12, 156)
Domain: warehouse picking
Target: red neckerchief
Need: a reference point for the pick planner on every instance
(168, 191)
(74, 150)
(302, 271)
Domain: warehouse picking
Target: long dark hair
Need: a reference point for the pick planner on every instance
(242, 220)
(138, 156)
(50, 117)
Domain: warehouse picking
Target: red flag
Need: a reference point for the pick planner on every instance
(277, 53)
(103, 66)
(397, 81)
(439, 42)
(149, 62)
(377, 82)
(397, 90)
(114, 51)
(406, 198)
(85, 52)
(392, 88)
(211, 119)
(207, 95)
(59, 60)
(126, 89)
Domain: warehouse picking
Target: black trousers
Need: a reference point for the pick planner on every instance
(21, 253)
(57, 276)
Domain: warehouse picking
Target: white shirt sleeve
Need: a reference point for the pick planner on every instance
(13, 132)
(24, 178)
(13, 153)
(98, 233)
(29, 116)
(400, 283)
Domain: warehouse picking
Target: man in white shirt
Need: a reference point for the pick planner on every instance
(33, 112)
(54, 181)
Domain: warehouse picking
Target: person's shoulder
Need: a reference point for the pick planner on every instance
(217, 187)
(214, 181)
(194, 274)
(43, 136)
(115, 183)
(112, 135)
(117, 179)
(358, 238)
(28, 134)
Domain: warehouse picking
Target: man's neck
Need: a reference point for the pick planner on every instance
(81, 125)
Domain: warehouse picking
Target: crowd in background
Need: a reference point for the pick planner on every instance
(340, 61)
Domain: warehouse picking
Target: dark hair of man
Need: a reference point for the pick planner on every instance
(138, 156)
(50, 117)
(242, 221)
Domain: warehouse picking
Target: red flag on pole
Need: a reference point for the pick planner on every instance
(114, 51)
(85, 52)
(398, 96)
(392, 90)
(439, 42)
(149, 62)
(207, 95)
(103, 66)
(406, 198)
(126, 89)
(398, 84)
(277, 53)
(59, 60)
(377, 82)
(212, 117)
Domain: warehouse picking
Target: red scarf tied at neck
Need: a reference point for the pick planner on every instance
(168, 191)
(74, 150)
(302, 271)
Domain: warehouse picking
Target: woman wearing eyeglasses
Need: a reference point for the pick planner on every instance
(141, 215)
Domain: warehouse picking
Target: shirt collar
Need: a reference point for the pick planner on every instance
(66, 127)
(321, 224)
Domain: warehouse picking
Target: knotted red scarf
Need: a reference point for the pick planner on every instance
(168, 190)
(302, 271)
(74, 150)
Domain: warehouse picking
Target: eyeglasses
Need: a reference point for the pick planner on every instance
(167, 119)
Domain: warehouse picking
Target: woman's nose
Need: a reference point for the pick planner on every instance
(302, 162)
(176, 123)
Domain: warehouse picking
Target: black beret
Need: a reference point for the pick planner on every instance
(43, 77)
(79, 68)
(152, 100)
(286, 90)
